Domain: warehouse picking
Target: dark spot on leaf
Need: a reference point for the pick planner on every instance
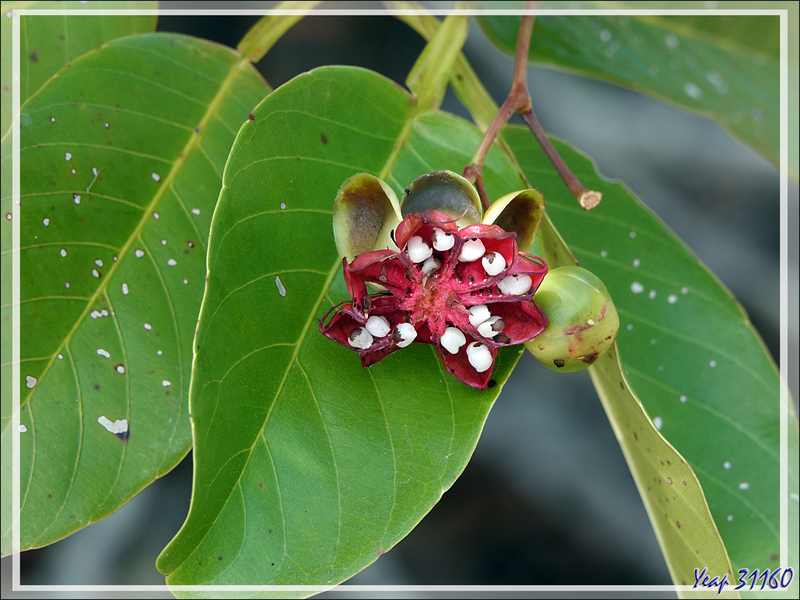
(323, 138)
(459, 77)
(197, 130)
(491, 384)
(49, 495)
(35, 56)
(219, 558)
(96, 386)
(590, 358)
(621, 386)
(635, 437)
(251, 117)
(684, 483)
(123, 436)
(558, 362)
(269, 530)
(261, 485)
(678, 523)
(190, 243)
(773, 557)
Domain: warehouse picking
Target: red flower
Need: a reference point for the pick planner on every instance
(466, 291)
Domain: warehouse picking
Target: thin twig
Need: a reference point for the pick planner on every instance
(519, 100)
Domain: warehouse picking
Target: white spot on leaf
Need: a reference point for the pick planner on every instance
(103, 353)
(116, 427)
(138, 253)
(652, 294)
(692, 90)
(156, 177)
(46, 222)
(279, 285)
(63, 252)
(658, 422)
(172, 262)
(68, 157)
(672, 298)
(22, 428)
(119, 369)
(726, 465)
(30, 382)
(95, 274)
(156, 216)
(166, 383)
(147, 326)
(637, 288)
(744, 486)
(195, 211)
(98, 262)
(683, 399)
(125, 289)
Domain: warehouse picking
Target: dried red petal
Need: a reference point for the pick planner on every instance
(439, 295)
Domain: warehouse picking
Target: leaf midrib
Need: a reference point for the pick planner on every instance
(194, 140)
(387, 167)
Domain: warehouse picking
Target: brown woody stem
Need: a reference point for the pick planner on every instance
(519, 100)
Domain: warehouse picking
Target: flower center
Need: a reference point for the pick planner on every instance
(431, 300)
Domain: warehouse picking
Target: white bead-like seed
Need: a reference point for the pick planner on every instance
(443, 241)
(478, 314)
(453, 339)
(479, 357)
(418, 250)
(360, 338)
(515, 285)
(404, 334)
(378, 326)
(493, 263)
(472, 250)
(431, 265)
(491, 327)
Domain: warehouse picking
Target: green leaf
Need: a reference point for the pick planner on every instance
(121, 161)
(669, 488)
(696, 63)
(47, 43)
(308, 466)
(688, 350)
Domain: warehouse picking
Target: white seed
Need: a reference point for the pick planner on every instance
(404, 334)
(443, 241)
(472, 250)
(493, 263)
(378, 326)
(491, 327)
(431, 265)
(418, 250)
(478, 314)
(515, 285)
(453, 339)
(360, 338)
(479, 357)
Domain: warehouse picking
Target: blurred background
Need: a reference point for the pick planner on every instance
(547, 497)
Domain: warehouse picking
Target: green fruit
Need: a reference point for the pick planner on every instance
(582, 320)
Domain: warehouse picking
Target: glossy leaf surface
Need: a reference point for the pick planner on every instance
(121, 162)
(47, 43)
(308, 466)
(688, 350)
(698, 63)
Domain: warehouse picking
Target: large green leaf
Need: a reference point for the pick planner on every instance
(697, 63)
(688, 350)
(47, 43)
(307, 466)
(121, 162)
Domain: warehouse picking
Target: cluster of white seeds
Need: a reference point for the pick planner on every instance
(488, 326)
(515, 285)
(379, 327)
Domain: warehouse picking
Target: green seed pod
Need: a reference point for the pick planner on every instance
(582, 320)
(520, 212)
(364, 214)
(447, 192)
